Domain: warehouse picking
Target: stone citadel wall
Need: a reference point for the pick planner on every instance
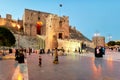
(52, 26)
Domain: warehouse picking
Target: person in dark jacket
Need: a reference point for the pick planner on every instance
(103, 50)
(98, 52)
(21, 57)
(10, 51)
(16, 55)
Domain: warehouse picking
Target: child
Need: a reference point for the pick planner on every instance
(40, 61)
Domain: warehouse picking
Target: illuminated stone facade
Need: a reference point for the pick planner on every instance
(53, 26)
(53, 31)
(9, 23)
(56, 27)
(30, 18)
(59, 24)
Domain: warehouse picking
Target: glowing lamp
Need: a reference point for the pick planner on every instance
(39, 24)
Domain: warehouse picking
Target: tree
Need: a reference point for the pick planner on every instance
(6, 37)
(118, 43)
(111, 43)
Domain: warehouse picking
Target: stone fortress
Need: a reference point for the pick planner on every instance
(43, 29)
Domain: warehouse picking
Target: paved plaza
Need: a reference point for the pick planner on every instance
(74, 66)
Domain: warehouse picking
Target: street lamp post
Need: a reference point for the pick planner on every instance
(109, 38)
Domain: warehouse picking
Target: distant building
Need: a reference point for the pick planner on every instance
(8, 16)
(98, 41)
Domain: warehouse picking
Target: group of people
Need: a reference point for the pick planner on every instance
(20, 55)
(42, 51)
(55, 61)
(99, 51)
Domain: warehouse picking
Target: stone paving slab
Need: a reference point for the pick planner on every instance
(73, 67)
(70, 67)
(7, 68)
(21, 72)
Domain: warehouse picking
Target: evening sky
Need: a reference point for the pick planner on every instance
(88, 16)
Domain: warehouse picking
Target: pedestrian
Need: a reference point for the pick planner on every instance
(52, 52)
(97, 52)
(10, 51)
(48, 52)
(21, 57)
(40, 61)
(103, 50)
(56, 57)
(100, 52)
(30, 51)
(16, 55)
(40, 52)
(79, 50)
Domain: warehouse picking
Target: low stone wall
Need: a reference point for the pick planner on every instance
(69, 45)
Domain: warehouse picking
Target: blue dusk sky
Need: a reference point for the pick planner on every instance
(88, 16)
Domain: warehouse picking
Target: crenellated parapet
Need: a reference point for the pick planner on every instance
(9, 23)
